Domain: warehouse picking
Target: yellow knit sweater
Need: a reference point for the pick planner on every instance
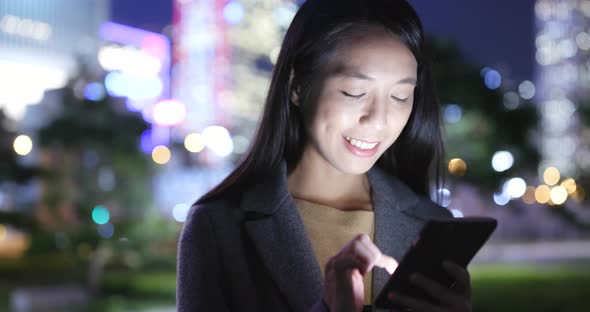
(330, 229)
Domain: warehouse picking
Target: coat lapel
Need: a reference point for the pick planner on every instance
(281, 240)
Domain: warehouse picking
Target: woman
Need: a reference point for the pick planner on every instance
(336, 181)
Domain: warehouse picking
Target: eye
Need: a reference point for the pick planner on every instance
(353, 95)
(399, 99)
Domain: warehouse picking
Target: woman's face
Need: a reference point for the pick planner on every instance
(364, 102)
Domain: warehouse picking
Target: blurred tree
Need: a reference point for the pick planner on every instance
(479, 123)
(92, 156)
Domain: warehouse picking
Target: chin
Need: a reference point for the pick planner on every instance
(356, 167)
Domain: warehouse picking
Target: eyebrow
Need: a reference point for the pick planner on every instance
(353, 73)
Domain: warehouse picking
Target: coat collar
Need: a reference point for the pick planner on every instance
(281, 240)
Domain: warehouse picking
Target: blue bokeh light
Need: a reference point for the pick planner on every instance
(233, 12)
(492, 79)
(453, 113)
(106, 230)
(94, 91)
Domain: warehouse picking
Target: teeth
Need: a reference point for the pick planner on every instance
(360, 144)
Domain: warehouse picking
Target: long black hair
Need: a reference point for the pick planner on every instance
(311, 40)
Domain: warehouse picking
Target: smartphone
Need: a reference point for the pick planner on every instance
(456, 240)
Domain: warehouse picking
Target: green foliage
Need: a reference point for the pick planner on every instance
(486, 126)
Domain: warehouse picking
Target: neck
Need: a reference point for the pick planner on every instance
(315, 180)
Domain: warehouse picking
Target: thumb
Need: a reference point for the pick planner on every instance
(387, 262)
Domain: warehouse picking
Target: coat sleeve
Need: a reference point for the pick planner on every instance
(198, 281)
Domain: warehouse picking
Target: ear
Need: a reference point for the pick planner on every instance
(294, 96)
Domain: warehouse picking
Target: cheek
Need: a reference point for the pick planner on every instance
(333, 115)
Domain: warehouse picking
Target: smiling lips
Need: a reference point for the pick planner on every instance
(361, 148)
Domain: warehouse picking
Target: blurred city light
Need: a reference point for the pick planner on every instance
(233, 12)
(23, 145)
(502, 161)
(457, 213)
(457, 167)
(492, 79)
(106, 230)
(169, 113)
(583, 40)
(570, 185)
(94, 91)
(501, 199)
(218, 139)
(194, 142)
(445, 196)
(558, 195)
(526, 89)
(161, 155)
(543, 194)
(511, 100)
(529, 195)
(100, 214)
(514, 187)
(285, 13)
(241, 144)
(130, 60)
(121, 84)
(452, 113)
(551, 176)
(180, 212)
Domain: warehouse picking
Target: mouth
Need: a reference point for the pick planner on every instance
(361, 148)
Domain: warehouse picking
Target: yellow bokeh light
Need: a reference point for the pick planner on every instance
(542, 194)
(457, 167)
(529, 195)
(579, 194)
(570, 185)
(2, 232)
(551, 176)
(161, 154)
(23, 145)
(194, 142)
(558, 195)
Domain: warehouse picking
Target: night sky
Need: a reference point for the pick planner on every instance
(496, 33)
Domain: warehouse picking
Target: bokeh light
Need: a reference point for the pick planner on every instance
(94, 91)
(106, 230)
(180, 212)
(169, 112)
(529, 195)
(511, 100)
(452, 113)
(558, 195)
(514, 187)
(570, 185)
(23, 145)
(445, 197)
(492, 79)
(501, 198)
(457, 213)
(526, 89)
(502, 161)
(457, 167)
(100, 214)
(161, 154)
(233, 12)
(218, 139)
(551, 176)
(194, 142)
(542, 194)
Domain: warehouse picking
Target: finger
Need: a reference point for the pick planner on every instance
(386, 262)
(412, 303)
(434, 289)
(362, 251)
(460, 275)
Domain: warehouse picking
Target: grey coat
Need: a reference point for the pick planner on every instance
(252, 253)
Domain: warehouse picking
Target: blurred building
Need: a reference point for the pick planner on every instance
(41, 42)
(563, 82)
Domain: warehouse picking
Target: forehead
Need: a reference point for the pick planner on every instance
(373, 54)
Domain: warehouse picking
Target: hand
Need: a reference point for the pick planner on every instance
(344, 289)
(456, 298)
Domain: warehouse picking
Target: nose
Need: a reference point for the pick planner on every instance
(374, 114)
